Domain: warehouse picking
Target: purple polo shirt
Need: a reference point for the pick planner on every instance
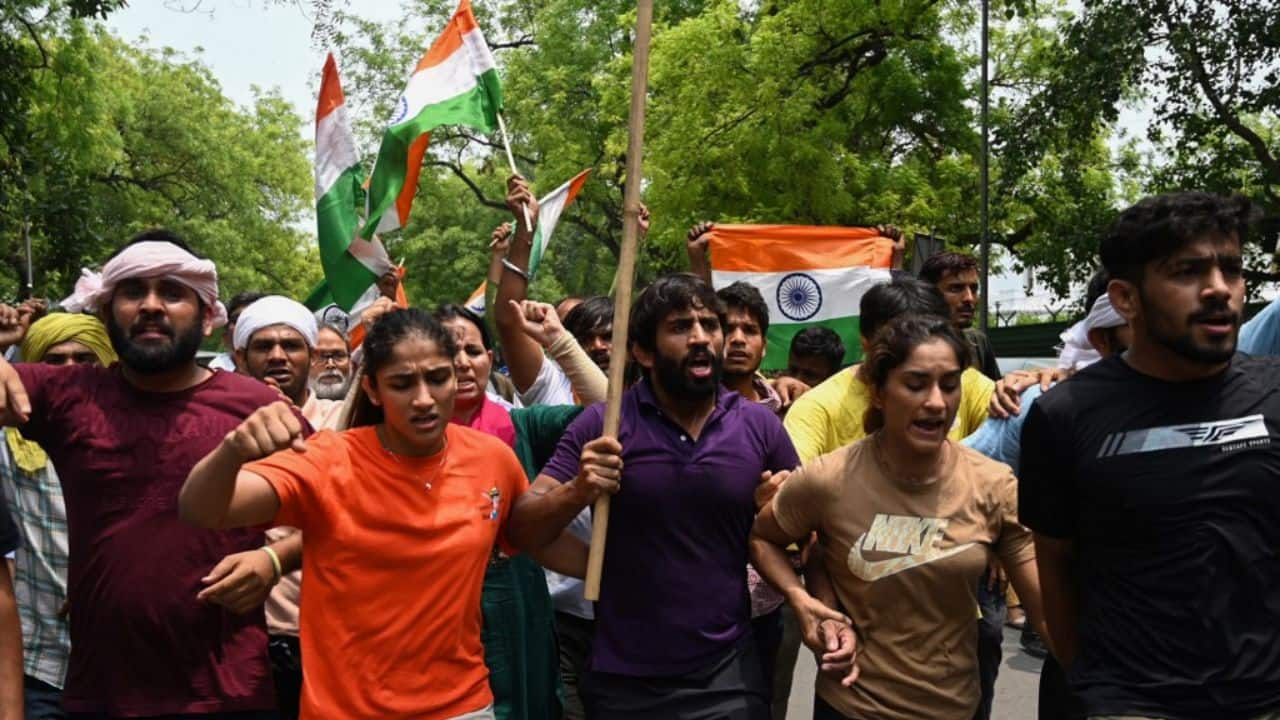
(673, 596)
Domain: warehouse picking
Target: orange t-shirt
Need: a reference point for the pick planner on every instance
(396, 552)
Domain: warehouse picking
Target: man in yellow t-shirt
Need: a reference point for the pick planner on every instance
(830, 415)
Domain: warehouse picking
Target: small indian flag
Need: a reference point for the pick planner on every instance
(475, 303)
(808, 276)
(455, 83)
(549, 211)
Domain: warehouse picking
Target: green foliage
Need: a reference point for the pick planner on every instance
(114, 139)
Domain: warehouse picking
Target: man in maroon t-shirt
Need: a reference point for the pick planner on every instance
(123, 439)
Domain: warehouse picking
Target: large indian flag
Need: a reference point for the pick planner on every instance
(455, 83)
(351, 264)
(808, 275)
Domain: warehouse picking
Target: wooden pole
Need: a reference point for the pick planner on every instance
(626, 276)
(511, 160)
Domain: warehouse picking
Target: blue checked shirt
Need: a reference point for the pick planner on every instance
(40, 577)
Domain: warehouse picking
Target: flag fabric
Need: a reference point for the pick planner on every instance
(351, 265)
(808, 276)
(455, 83)
(476, 302)
(549, 210)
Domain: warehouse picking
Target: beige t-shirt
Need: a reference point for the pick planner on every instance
(905, 565)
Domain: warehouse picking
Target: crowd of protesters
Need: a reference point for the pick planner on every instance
(302, 528)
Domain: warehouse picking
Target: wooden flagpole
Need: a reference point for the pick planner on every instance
(625, 276)
(511, 160)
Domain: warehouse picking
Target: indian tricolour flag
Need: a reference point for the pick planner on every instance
(808, 276)
(455, 83)
(549, 210)
(351, 264)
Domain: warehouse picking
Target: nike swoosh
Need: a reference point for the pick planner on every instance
(873, 570)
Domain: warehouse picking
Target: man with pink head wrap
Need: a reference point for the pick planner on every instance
(123, 439)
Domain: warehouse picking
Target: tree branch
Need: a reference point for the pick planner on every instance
(35, 37)
(525, 41)
(462, 175)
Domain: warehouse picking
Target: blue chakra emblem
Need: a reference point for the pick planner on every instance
(402, 111)
(799, 297)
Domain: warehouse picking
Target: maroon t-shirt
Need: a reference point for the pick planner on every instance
(140, 642)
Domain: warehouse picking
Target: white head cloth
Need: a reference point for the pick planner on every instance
(274, 310)
(1077, 351)
(152, 258)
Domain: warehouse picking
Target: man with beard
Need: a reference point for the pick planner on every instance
(331, 364)
(123, 439)
(673, 636)
(1157, 519)
(590, 322)
(956, 276)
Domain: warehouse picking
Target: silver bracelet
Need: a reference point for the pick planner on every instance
(512, 267)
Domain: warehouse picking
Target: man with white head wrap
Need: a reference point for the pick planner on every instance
(275, 341)
(124, 439)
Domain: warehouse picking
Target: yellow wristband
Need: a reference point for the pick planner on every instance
(275, 561)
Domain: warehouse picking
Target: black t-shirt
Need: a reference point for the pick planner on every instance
(1171, 493)
(984, 356)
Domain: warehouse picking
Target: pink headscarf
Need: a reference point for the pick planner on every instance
(152, 258)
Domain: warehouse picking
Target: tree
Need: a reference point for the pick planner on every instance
(1207, 72)
(115, 139)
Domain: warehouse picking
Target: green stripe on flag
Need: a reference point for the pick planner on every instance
(477, 109)
(336, 222)
(780, 335)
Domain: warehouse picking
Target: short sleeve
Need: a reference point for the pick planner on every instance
(551, 387)
(807, 424)
(977, 389)
(299, 479)
(40, 383)
(1014, 543)
(515, 483)
(805, 496)
(563, 465)
(1046, 488)
(781, 451)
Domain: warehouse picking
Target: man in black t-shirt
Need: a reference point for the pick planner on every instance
(10, 626)
(1152, 482)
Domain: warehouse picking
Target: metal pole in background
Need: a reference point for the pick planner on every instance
(986, 243)
(26, 239)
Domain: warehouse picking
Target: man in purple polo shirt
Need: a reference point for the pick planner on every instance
(673, 623)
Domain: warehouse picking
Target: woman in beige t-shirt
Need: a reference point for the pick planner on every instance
(908, 521)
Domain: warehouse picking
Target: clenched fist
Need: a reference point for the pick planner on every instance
(270, 428)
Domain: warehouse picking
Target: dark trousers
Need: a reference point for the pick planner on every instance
(1056, 701)
(767, 630)
(823, 711)
(729, 688)
(286, 669)
(574, 636)
(41, 700)
(990, 641)
(784, 668)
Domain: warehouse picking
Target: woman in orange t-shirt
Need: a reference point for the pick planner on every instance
(399, 517)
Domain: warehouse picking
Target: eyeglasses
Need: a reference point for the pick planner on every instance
(337, 357)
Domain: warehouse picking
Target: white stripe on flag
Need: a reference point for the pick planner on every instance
(456, 75)
(335, 149)
(809, 295)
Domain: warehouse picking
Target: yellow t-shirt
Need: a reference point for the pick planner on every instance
(830, 415)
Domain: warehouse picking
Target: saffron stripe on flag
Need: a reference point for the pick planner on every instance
(778, 248)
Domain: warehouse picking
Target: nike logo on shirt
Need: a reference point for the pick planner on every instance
(914, 539)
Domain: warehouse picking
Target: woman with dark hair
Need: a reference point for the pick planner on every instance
(908, 520)
(519, 629)
(400, 515)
